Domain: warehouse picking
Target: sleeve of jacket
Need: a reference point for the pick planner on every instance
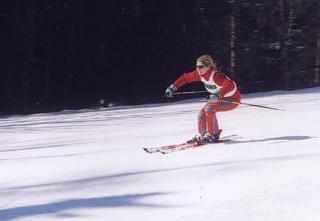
(187, 78)
(227, 85)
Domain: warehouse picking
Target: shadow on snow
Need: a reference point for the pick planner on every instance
(275, 139)
(60, 208)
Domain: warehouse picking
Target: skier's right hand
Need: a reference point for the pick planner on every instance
(170, 90)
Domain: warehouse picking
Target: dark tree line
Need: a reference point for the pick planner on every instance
(61, 54)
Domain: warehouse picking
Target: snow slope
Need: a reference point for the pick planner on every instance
(89, 165)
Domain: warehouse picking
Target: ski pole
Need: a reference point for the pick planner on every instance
(190, 92)
(248, 104)
(255, 105)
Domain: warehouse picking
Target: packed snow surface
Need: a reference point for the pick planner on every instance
(89, 164)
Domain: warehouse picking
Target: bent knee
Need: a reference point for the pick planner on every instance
(210, 110)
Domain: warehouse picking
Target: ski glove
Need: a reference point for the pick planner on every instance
(170, 90)
(213, 97)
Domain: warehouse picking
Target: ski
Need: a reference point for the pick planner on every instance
(178, 147)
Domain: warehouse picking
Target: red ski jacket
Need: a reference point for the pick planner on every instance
(212, 81)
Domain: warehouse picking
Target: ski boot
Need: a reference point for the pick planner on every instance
(211, 138)
(196, 139)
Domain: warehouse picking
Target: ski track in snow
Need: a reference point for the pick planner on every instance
(89, 164)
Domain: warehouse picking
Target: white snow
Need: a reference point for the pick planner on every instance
(89, 164)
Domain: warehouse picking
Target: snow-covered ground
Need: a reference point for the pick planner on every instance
(89, 164)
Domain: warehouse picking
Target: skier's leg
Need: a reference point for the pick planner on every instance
(202, 128)
(211, 109)
(212, 126)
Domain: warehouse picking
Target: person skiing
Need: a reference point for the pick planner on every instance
(224, 96)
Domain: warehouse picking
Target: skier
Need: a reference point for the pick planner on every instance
(224, 96)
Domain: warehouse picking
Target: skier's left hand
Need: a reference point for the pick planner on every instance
(213, 97)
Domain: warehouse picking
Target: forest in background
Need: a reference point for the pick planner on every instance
(68, 54)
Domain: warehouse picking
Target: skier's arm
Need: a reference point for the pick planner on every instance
(186, 78)
(227, 85)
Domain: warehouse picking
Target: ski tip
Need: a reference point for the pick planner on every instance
(146, 149)
(150, 150)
